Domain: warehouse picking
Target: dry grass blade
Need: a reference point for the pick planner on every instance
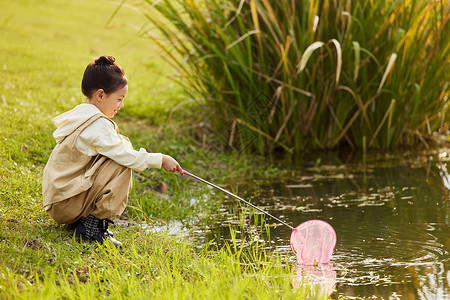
(339, 59)
(262, 133)
(238, 11)
(307, 54)
(241, 38)
(271, 13)
(388, 113)
(255, 18)
(386, 72)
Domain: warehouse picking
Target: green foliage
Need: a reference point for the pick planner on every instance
(311, 74)
(155, 266)
(45, 48)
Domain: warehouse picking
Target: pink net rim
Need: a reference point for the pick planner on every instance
(323, 257)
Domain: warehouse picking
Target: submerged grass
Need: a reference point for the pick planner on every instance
(46, 46)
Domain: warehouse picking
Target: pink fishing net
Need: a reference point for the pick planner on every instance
(313, 242)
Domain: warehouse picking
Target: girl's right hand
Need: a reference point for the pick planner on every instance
(170, 164)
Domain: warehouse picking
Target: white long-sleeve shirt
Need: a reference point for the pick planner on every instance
(102, 138)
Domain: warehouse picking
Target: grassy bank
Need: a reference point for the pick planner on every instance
(46, 46)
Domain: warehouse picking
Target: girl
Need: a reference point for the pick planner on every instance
(88, 176)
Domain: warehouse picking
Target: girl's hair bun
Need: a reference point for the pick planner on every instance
(105, 60)
(103, 73)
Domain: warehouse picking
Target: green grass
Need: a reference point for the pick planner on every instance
(45, 47)
(46, 264)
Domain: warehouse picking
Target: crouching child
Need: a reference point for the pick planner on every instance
(88, 176)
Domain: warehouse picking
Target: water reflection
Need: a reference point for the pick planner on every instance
(322, 278)
(390, 213)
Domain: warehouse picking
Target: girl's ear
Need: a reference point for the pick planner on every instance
(99, 94)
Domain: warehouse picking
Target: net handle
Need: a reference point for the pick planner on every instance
(237, 197)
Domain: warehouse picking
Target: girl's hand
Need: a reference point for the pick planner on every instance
(170, 164)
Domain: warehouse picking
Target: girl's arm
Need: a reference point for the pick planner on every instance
(101, 138)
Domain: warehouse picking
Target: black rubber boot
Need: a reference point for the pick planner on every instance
(108, 235)
(94, 229)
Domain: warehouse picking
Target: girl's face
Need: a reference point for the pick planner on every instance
(109, 104)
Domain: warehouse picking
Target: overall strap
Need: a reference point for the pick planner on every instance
(76, 133)
(89, 121)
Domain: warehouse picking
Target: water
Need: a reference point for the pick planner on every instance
(390, 213)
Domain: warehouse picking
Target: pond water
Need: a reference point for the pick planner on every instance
(391, 214)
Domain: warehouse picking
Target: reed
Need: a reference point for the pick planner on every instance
(310, 74)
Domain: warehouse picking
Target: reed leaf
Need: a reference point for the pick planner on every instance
(386, 72)
(339, 59)
(257, 61)
(357, 50)
(387, 115)
(307, 54)
(255, 18)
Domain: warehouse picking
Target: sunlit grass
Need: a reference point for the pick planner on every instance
(152, 266)
(45, 47)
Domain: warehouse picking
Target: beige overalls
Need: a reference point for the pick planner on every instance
(75, 185)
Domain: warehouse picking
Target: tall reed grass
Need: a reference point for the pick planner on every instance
(308, 73)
